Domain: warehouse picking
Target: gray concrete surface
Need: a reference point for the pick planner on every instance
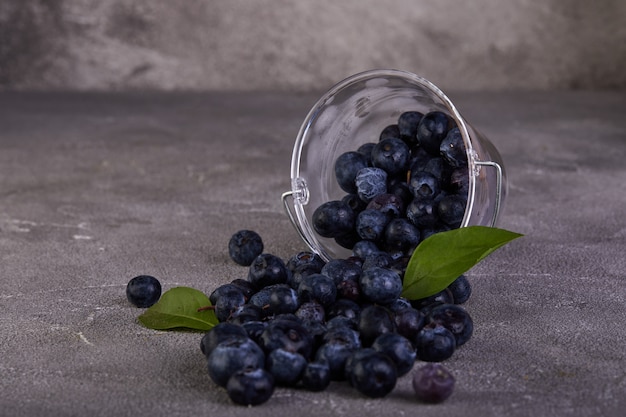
(305, 45)
(98, 188)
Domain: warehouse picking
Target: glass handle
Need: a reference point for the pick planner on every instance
(293, 220)
(498, 168)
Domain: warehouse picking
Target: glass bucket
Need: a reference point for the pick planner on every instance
(354, 112)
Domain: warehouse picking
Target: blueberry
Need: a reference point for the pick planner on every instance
(355, 356)
(342, 334)
(143, 291)
(254, 329)
(422, 212)
(220, 290)
(333, 218)
(409, 321)
(451, 209)
(295, 278)
(407, 126)
(305, 258)
(283, 299)
(366, 150)
(250, 386)
(316, 376)
(346, 167)
(220, 333)
(287, 334)
(436, 167)
(262, 297)
(391, 131)
(344, 307)
(392, 155)
(335, 354)
(374, 321)
(354, 202)
(228, 301)
(348, 240)
(245, 286)
(432, 129)
(317, 287)
(434, 343)
(380, 285)
(400, 188)
(267, 269)
(399, 349)
(349, 289)
(401, 236)
(285, 366)
(461, 289)
(231, 356)
(311, 311)
(398, 304)
(454, 318)
(341, 269)
(371, 223)
(378, 259)
(374, 375)
(371, 182)
(364, 248)
(426, 304)
(459, 181)
(388, 203)
(244, 246)
(433, 383)
(452, 148)
(424, 184)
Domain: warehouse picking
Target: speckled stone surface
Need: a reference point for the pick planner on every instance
(98, 188)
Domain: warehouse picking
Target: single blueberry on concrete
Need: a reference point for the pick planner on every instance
(433, 383)
(143, 291)
(461, 289)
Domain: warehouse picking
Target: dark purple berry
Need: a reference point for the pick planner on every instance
(433, 383)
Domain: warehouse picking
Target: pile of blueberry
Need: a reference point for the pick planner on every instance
(411, 183)
(303, 322)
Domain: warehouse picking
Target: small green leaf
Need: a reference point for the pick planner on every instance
(441, 258)
(180, 307)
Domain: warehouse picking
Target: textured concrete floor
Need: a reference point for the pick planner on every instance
(97, 188)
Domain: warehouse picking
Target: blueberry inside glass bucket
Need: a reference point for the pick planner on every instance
(354, 112)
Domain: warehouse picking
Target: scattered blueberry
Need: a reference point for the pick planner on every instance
(433, 383)
(244, 246)
(143, 291)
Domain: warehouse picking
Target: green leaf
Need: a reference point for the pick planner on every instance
(443, 257)
(180, 307)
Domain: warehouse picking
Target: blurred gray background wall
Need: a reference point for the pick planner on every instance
(305, 45)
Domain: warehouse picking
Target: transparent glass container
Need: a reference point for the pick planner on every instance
(354, 112)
